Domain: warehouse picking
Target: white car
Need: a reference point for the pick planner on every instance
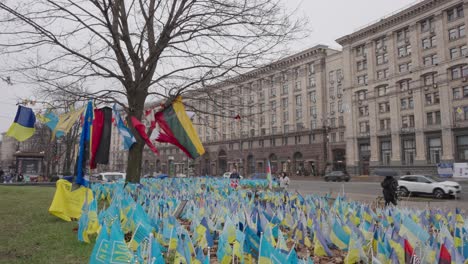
(421, 184)
(227, 175)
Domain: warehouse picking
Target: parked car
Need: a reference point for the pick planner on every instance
(111, 176)
(427, 185)
(337, 176)
(227, 175)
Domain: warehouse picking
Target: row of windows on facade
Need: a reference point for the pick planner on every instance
(431, 98)
(408, 150)
(407, 121)
(426, 25)
(456, 72)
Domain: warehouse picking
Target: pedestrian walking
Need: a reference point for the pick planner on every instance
(234, 177)
(284, 180)
(390, 186)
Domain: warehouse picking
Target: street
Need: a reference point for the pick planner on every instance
(369, 191)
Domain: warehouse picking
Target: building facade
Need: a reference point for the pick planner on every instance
(395, 96)
(408, 89)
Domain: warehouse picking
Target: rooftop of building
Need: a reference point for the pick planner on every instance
(390, 20)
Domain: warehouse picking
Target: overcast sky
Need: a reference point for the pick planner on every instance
(328, 20)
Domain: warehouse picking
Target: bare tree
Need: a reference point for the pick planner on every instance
(129, 51)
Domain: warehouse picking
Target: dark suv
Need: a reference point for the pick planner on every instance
(337, 176)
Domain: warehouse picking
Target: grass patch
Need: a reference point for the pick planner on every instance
(31, 235)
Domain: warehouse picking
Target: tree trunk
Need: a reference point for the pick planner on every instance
(136, 102)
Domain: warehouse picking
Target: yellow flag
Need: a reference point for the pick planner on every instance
(67, 204)
(67, 120)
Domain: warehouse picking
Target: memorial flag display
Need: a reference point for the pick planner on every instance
(23, 125)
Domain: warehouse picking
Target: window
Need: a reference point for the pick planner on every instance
(407, 121)
(332, 107)
(361, 65)
(407, 103)
(285, 116)
(404, 51)
(434, 150)
(297, 140)
(272, 142)
(428, 42)
(432, 98)
(404, 85)
(331, 76)
(273, 119)
(380, 43)
(430, 60)
(457, 32)
(311, 138)
(339, 88)
(298, 113)
(384, 107)
(313, 111)
(454, 53)
(332, 122)
(262, 120)
(340, 106)
(364, 127)
(464, 50)
(433, 118)
(459, 72)
(341, 121)
(273, 106)
(285, 89)
(361, 95)
(385, 152)
(427, 24)
(405, 67)
(455, 13)
(460, 92)
(341, 136)
(312, 82)
(297, 85)
(402, 34)
(462, 148)
(273, 130)
(362, 79)
(313, 124)
(461, 113)
(284, 103)
(285, 139)
(332, 90)
(272, 91)
(429, 79)
(298, 100)
(384, 124)
(311, 68)
(409, 151)
(382, 74)
(360, 50)
(383, 58)
(381, 91)
(313, 96)
(364, 111)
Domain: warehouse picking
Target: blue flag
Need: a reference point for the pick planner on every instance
(127, 136)
(84, 146)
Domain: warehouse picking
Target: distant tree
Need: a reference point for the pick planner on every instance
(132, 50)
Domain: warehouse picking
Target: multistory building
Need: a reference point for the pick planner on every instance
(408, 85)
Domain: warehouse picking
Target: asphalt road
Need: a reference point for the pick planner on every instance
(369, 191)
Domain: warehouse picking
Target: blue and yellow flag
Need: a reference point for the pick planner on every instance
(23, 126)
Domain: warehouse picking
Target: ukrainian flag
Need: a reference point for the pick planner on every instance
(23, 126)
(340, 236)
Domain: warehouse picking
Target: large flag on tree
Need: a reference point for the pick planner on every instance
(67, 120)
(23, 125)
(176, 124)
(83, 152)
(104, 141)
